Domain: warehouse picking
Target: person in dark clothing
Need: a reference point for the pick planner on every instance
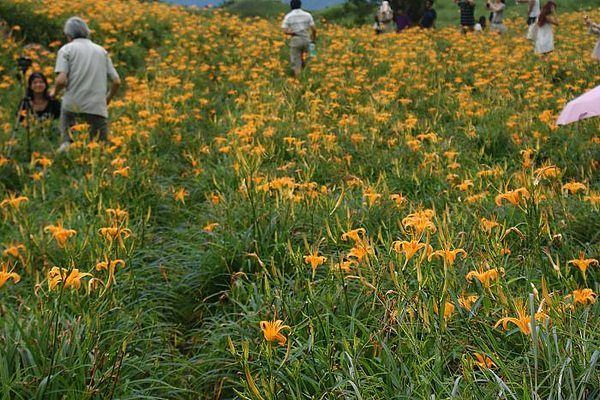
(467, 14)
(429, 16)
(402, 20)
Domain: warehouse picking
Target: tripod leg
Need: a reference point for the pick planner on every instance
(15, 127)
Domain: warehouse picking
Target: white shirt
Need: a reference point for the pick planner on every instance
(299, 22)
(88, 68)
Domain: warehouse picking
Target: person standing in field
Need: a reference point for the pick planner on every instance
(467, 15)
(84, 70)
(497, 23)
(544, 41)
(402, 20)
(594, 30)
(300, 25)
(429, 16)
(385, 17)
(533, 12)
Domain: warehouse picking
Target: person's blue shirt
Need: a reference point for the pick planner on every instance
(429, 17)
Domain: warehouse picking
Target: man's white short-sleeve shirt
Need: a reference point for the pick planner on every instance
(88, 67)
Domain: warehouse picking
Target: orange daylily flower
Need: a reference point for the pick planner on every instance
(465, 185)
(345, 266)
(512, 196)
(573, 187)
(583, 264)
(60, 234)
(110, 265)
(448, 255)
(5, 275)
(467, 302)
(271, 330)
(14, 201)
(483, 276)
(124, 172)
(408, 248)
(483, 361)
(488, 225)
(13, 250)
(354, 234)
(117, 213)
(43, 161)
(523, 319)
(581, 296)
(549, 171)
(593, 198)
(314, 260)
(115, 234)
(398, 199)
(180, 195)
(71, 279)
(361, 251)
(210, 226)
(420, 221)
(448, 309)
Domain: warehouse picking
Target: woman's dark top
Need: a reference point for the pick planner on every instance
(52, 111)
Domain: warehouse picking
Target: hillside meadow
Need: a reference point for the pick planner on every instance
(406, 221)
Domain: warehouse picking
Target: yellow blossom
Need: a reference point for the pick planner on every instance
(115, 233)
(483, 276)
(398, 199)
(13, 250)
(448, 255)
(583, 263)
(573, 187)
(420, 221)
(314, 260)
(354, 234)
(513, 196)
(180, 195)
(210, 226)
(71, 279)
(467, 302)
(5, 275)
(408, 248)
(60, 234)
(582, 296)
(523, 319)
(271, 330)
(14, 201)
(483, 361)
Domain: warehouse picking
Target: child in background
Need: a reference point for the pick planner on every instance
(594, 30)
(480, 25)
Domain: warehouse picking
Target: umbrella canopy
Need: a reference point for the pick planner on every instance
(585, 106)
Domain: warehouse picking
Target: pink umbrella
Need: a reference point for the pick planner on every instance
(585, 106)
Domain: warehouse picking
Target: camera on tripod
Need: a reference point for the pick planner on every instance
(24, 63)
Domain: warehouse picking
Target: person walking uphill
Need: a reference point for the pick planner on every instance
(84, 70)
(300, 25)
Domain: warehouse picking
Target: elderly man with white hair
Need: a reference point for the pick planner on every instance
(84, 69)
